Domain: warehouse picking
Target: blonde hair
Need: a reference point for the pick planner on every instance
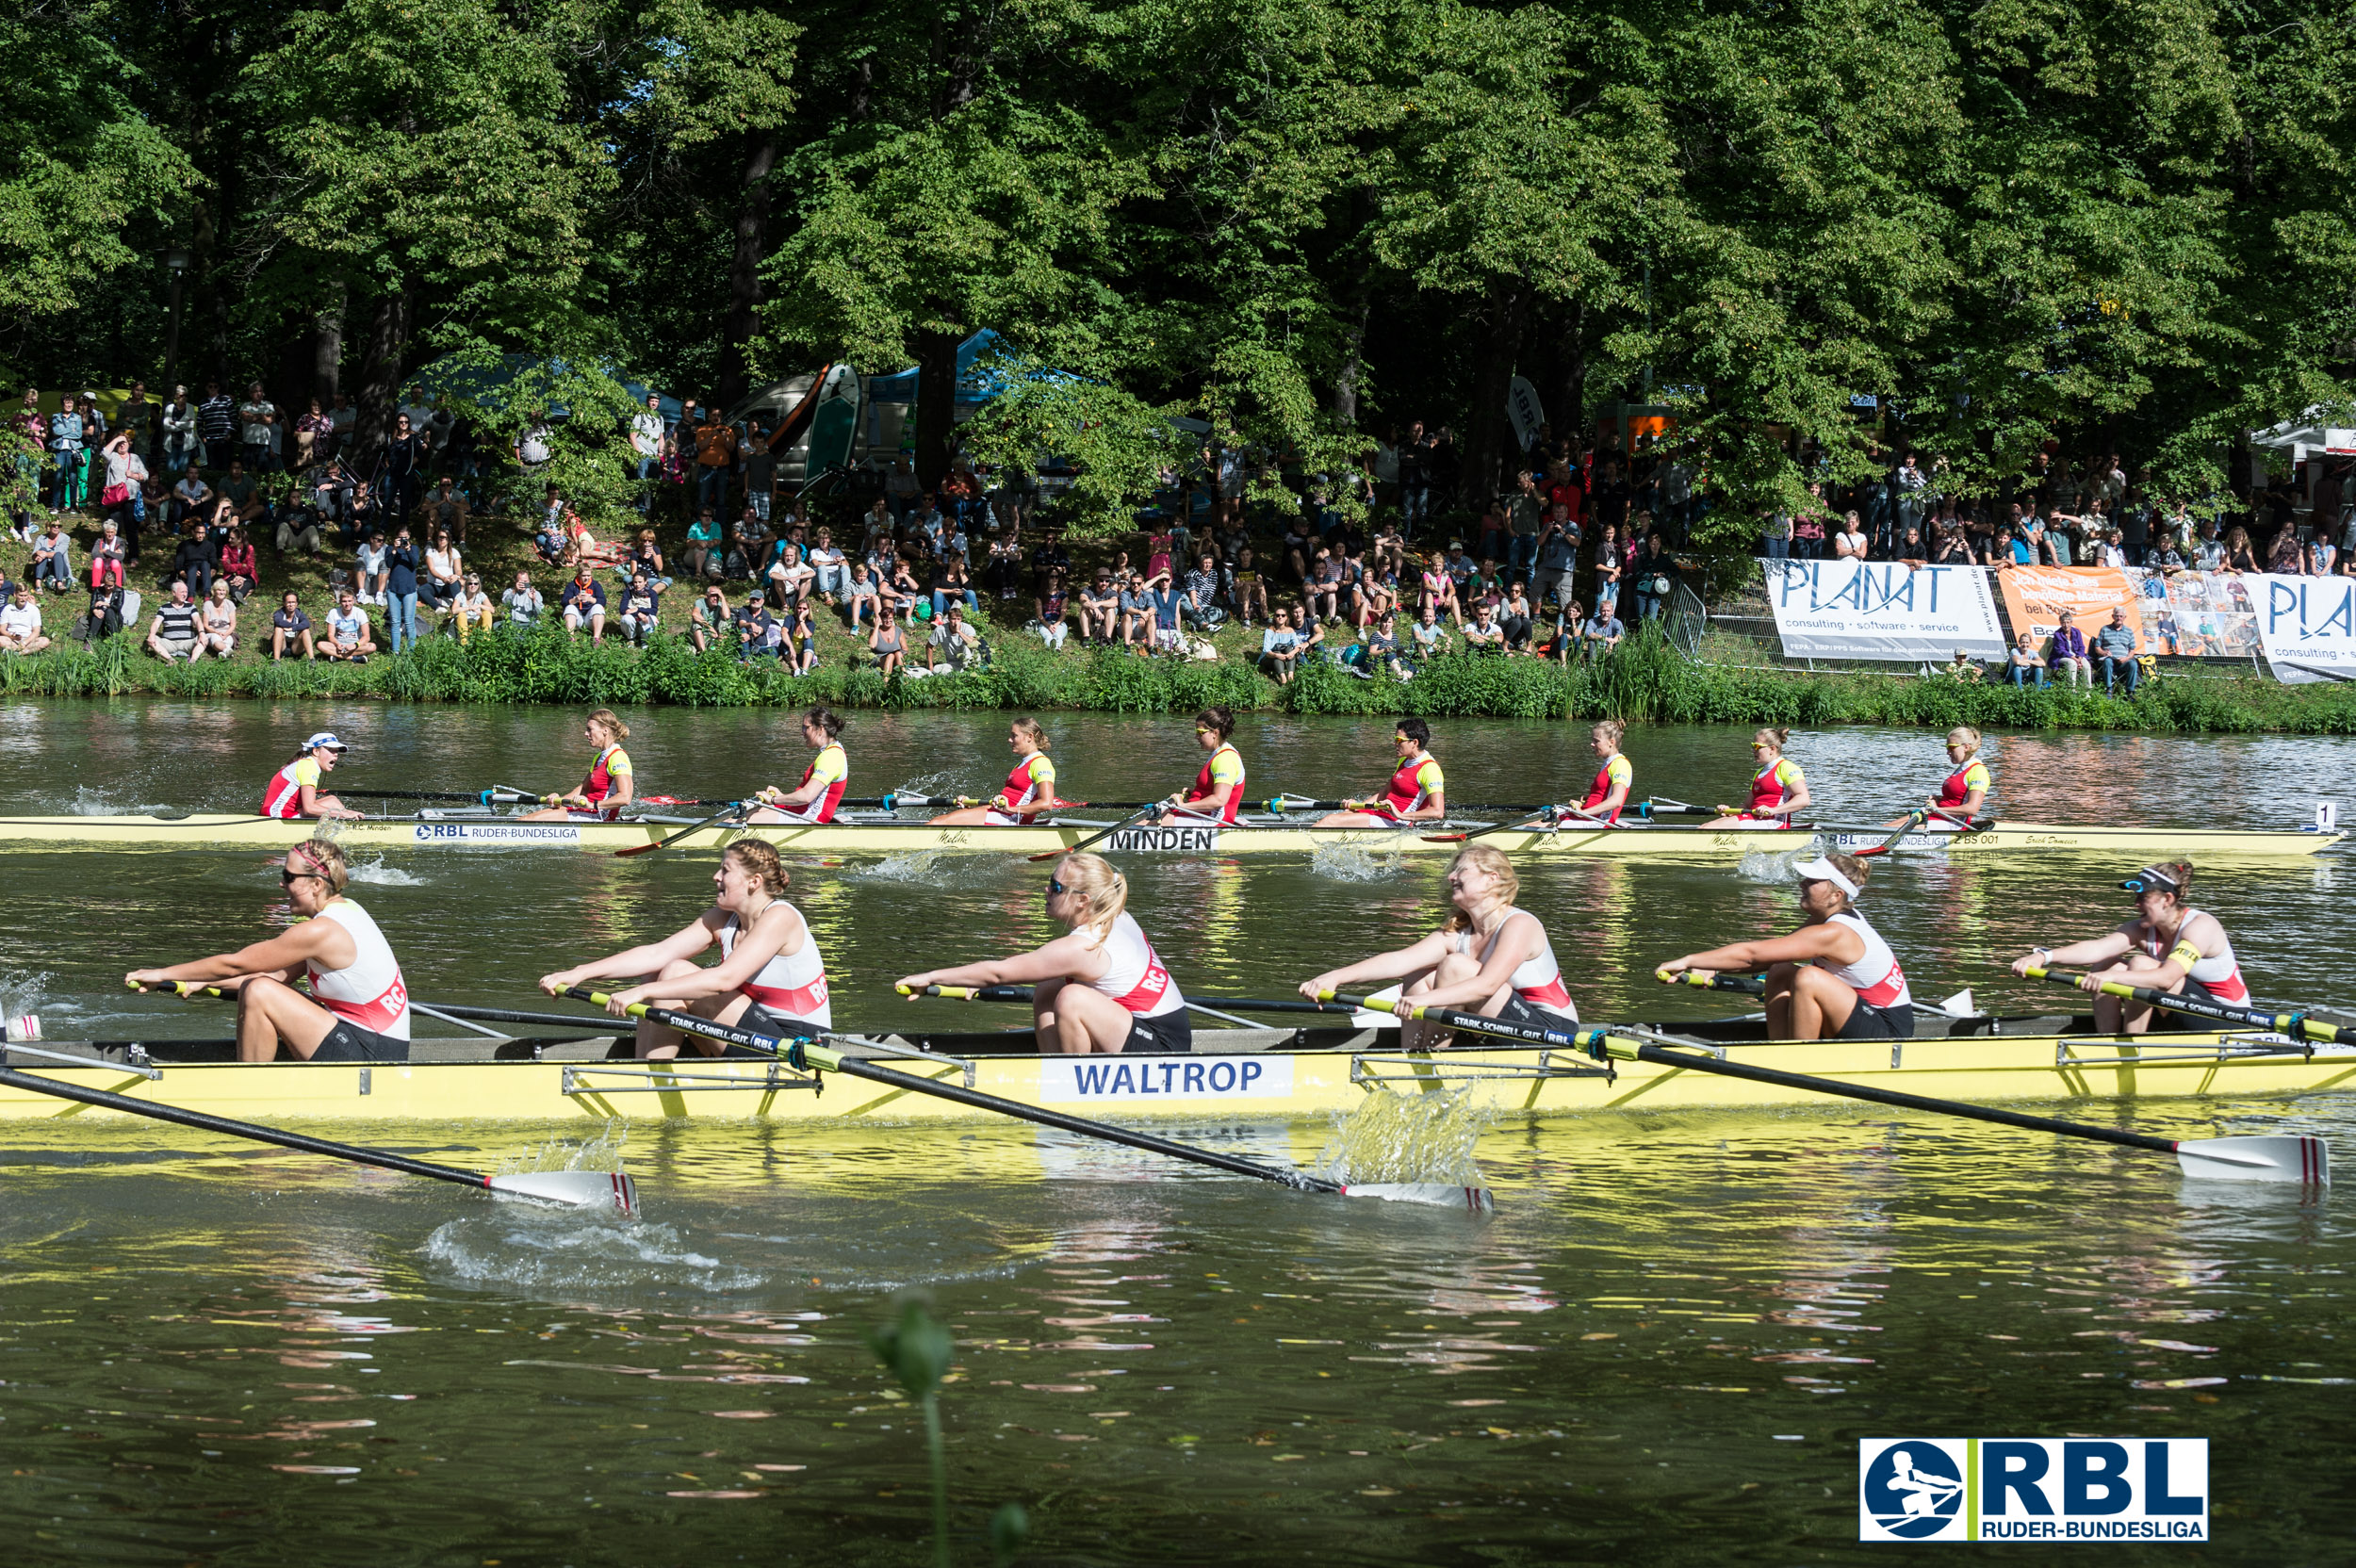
(324, 859)
(1094, 879)
(1610, 731)
(1038, 737)
(1853, 869)
(612, 723)
(1493, 861)
(1965, 736)
(1770, 737)
(759, 860)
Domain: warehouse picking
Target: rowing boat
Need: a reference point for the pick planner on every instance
(1270, 1074)
(879, 834)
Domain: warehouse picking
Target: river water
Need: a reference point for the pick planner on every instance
(1662, 1348)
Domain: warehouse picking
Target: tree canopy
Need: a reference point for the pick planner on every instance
(1305, 221)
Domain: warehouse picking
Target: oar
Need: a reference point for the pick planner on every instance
(806, 1054)
(1150, 805)
(1749, 985)
(665, 844)
(1914, 819)
(496, 795)
(503, 1014)
(2277, 1158)
(1661, 807)
(581, 1190)
(1023, 993)
(2297, 1025)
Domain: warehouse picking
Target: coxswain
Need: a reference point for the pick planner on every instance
(1488, 957)
(609, 785)
(357, 1009)
(819, 792)
(1099, 988)
(1029, 789)
(1834, 978)
(1959, 799)
(293, 791)
(1778, 790)
(771, 977)
(1217, 793)
(2169, 946)
(1417, 791)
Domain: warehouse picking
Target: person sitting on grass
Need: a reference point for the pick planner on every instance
(1964, 668)
(799, 644)
(2115, 654)
(20, 623)
(1427, 636)
(583, 605)
(708, 619)
(1280, 647)
(290, 629)
(1050, 606)
(549, 538)
(350, 637)
(2024, 662)
(639, 609)
(756, 630)
(955, 647)
(523, 603)
(220, 623)
(888, 643)
(471, 608)
(172, 634)
(1601, 633)
(1099, 610)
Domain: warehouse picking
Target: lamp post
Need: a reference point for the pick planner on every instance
(176, 260)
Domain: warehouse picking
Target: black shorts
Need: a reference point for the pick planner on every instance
(1869, 1023)
(1172, 1034)
(349, 1042)
(1517, 1011)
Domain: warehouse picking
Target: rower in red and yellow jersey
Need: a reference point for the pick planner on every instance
(1778, 789)
(1029, 789)
(814, 799)
(1417, 791)
(1960, 796)
(609, 784)
(1217, 793)
(293, 792)
(1608, 794)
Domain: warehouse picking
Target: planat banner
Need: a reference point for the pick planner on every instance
(2307, 626)
(2035, 596)
(1880, 610)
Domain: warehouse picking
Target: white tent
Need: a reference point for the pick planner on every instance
(2306, 436)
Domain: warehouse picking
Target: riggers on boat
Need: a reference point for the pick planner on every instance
(1263, 1074)
(882, 835)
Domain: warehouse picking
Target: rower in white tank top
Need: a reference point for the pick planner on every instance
(790, 985)
(1875, 976)
(1137, 978)
(1537, 981)
(369, 992)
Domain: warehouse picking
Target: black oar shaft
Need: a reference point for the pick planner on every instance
(507, 1015)
(11, 1078)
(911, 1082)
(476, 797)
(2295, 1024)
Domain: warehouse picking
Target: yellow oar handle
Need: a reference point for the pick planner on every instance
(1375, 1004)
(177, 987)
(1689, 978)
(637, 1009)
(952, 993)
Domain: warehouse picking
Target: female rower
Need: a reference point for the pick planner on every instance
(1834, 978)
(358, 1005)
(1217, 793)
(1778, 790)
(821, 789)
(1101, 986)
(2169, 946)
(1608, 795)
(607, 790)
(1417, 791)
(1029, 789)
(1489, 958)
(293, 791)
(770, 978)
(1959, 799)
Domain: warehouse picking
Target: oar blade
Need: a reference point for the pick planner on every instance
(1439, 1195)
(610, 1190)
(2283, 1157)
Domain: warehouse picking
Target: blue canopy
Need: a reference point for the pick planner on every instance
(973, 386)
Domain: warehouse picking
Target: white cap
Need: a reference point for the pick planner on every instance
(324, 738)
(1822, 869)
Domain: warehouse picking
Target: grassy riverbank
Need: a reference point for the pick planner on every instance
(1648, 680)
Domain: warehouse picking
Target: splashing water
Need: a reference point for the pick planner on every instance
(383, 876)
(1376, 860)
(933, 868)
(545, 1251)
(934, 786)
(602, 1153)
(1407, 1138)
(87, 802)
(1771, 866)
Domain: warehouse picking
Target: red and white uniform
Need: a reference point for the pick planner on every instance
(1616, 773)
(1411, 788)
(1538, 979)
(1875, 977)
(1960, 783)
(1225, 767)
(282, 797)
(1029, 789)
(1137, 978)
(368, 992)
(831, 768)
(1775, 783)
(2220, 975)
(789, 985)
(609, 770)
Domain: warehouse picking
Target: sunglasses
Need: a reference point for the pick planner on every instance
(288, 878)
(1055, 888)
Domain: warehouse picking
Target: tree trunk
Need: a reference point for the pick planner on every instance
(1487, 430)
(1571, 419)
(936, 405)
(327, 347)
(1346, 379)
(379, 391)
(752, 248)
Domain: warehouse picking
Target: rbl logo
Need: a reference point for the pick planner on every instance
(2032, 1489)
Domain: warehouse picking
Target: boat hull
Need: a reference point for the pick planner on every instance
(1259, 1085)
(1642, 841)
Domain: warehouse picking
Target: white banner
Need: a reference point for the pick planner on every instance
(1880, 610)
(2307, 626)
